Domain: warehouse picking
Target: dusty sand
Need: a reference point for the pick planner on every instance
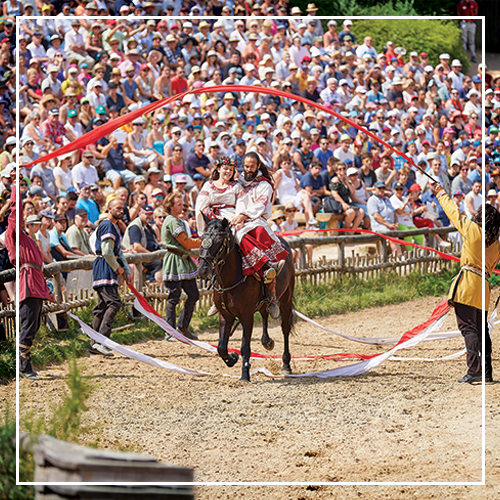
(405, 421)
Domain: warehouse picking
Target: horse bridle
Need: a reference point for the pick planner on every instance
(218, 260)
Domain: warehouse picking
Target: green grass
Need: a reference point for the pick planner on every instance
(7, 361)
(8, 488)
(64, 419)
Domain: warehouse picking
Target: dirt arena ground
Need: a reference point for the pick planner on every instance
(407, 421)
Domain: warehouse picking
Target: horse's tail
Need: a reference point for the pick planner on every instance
(293, 318)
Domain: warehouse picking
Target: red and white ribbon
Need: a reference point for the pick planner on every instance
(130, 353)
(369, 361)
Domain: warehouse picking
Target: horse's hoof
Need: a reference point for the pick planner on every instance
(232, 359)
(269, 346)
(245, 378)
(286, 370)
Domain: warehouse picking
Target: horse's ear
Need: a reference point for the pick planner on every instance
(205, 218)
(225, 223)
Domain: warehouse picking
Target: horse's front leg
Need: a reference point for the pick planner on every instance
(225, 325)
(247, 325)
(286, 327)
(266, 341)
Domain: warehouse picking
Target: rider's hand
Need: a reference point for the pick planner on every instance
(239, 219)
(120, 270)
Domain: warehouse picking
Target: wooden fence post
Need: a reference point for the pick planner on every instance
(302, 257)
(385, 250)
(138, 281)
(57, 288)
(342, 254)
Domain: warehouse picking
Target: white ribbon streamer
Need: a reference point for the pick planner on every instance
(376, 340)
(162, 322)
(343, 371)
(130, 353)
(368, 364)
(392, 340)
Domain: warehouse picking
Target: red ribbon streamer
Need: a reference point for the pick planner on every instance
(107, 128)
(441, 309)
(446, 256)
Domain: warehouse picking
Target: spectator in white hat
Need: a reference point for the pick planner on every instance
(473, 105)
(74, 45)
(457, 77)
(52, 83)
(347, 24)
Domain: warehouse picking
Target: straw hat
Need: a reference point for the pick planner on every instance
(278, 215)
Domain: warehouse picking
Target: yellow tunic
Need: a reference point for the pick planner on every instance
(466, 286)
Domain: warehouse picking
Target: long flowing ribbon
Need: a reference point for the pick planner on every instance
(105, 129)
(130, 353)
(444, 255)
(371, 363)
(350, 370)
(375, 340)
(143, 306)
(409, 339)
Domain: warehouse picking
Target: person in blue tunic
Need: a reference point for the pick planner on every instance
(109, 264)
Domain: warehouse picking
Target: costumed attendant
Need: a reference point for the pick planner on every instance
(32, 288)
(262, 251)
(179, 269)
(466, 288)
(109, 264)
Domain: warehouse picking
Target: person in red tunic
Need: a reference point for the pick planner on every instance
(468, 26)
(32, 288)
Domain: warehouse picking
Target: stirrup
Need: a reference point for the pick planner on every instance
(273, 309)
(269, 275)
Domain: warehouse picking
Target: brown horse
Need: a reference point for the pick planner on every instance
(239, 296)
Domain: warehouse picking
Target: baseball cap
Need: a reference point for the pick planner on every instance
(46, 213)
(81, 211)
(148, 209)
(379, 184)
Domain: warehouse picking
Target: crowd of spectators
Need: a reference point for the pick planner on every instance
(76, 74)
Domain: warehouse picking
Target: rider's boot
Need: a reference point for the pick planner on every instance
(272, 269)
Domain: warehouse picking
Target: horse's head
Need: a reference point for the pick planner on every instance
(215, 246)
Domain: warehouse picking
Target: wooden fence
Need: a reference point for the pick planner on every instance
(364, 263)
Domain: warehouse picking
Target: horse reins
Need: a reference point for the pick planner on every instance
(217, 262)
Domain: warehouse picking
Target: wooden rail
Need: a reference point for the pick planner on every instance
(64, 462)
(321, 271)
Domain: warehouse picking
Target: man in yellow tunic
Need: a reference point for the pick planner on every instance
(466, 288)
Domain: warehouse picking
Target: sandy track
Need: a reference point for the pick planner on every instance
(405, 421)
